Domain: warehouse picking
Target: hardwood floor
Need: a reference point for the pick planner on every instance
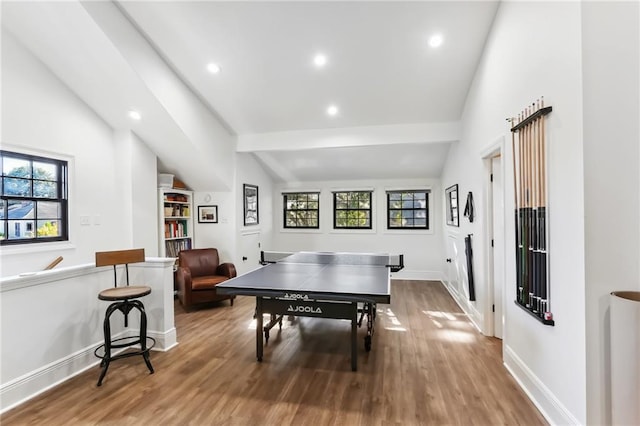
(428, 366)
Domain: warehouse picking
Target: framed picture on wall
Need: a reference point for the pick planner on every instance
(451, 203)
(207, 214)
(251, 214)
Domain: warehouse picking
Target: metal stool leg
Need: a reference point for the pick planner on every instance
(143, 336)
(125, 307)
(107, 341)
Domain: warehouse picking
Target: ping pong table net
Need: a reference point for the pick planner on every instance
(393, 261)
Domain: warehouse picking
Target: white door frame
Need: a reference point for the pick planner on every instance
(494, 149)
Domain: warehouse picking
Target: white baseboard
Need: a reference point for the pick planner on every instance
(30, 385)
(164, 340)
(550, 407)
(417, 275)
(471, 311)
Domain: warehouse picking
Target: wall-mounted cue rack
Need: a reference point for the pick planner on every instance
(530, 186)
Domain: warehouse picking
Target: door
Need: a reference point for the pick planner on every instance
(497, 192)
(249, 252)
(453, 265)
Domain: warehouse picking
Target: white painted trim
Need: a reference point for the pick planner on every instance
(34, 383)
(418, 275)
(45, 277)
(300, 190)
(497, 147)
(470, 310)
(350, 136)
(164, 340)
(550, 406)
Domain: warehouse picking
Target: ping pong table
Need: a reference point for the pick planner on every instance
(317, 284)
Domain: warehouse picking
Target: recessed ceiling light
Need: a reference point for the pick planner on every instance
(134, 115)
(436, 40)
(320, 60)
(213, 68)
(332, 110)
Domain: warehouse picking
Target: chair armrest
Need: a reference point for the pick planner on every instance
(226, 270)
(183, 277)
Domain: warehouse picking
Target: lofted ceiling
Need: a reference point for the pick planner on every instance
(380, 72)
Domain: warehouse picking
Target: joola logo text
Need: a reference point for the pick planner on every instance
(304, 309)
(295, 296)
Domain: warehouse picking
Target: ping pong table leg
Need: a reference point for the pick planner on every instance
(259, 343)
(354, 338)
(371, 319)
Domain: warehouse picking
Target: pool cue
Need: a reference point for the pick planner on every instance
(542, 214)
(515, 151)
(536, 206)
(543, 218)
(521, 247)
(54, 263)
(524, 212)
(529, 204)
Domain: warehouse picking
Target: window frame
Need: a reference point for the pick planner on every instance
(62, 198)
(285, 210)
(426, 209)
(369, 210)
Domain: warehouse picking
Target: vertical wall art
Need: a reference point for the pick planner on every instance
(451, 203)
(251, 212)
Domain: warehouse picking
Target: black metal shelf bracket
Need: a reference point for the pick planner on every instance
(535, 315)
(539, 113)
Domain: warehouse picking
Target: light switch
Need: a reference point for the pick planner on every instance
(84, 220)
(97, 219)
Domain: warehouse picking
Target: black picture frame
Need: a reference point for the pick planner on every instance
(251, 204)
(451, 203)
(207, 214)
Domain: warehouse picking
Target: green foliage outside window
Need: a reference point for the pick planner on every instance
(408, 209)
(48, 229)
(352, 210)
(33, 191)
(301, 210)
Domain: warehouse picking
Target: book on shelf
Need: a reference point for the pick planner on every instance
(176, 246)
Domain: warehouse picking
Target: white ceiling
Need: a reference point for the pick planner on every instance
(380, 71)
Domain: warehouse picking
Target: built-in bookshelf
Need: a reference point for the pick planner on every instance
(176, 221)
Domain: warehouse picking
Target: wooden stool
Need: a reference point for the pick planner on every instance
(123, 299)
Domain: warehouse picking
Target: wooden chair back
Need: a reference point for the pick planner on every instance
(119, 257)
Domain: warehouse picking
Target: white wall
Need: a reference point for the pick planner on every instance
(112, 182)
(219, 235)
(55, 338)
(611, 90)
(251, 239)
(232, 239)
(207, 145)
(137, 177)
(424, 258)
(534, 50)
(42, 116)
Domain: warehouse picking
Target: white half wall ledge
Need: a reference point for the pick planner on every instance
(351, 136)
(29, 279)
(65, 317)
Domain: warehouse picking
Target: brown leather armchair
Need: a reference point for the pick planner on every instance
(199, 272)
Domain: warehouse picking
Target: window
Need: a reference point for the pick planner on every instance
(408, 209)
(34, 199)
(352, 210)
(301, 210)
